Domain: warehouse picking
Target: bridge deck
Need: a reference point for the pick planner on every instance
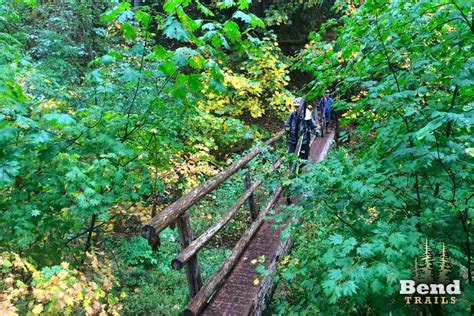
(238, 295)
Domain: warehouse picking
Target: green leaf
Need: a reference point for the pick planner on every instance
(112, 14)
(60, 119)
(365, 250)
(143, 17)
(160, 52)
(231, 30)
(39, 138)
(125, 16)
(204, 9)
(336, 239)
(256, 21)
(25, 122)
(195, 82)
(262, 271)
(129, 31)
(335, 274)
(107, 60)
(8, 170)
(429, 128)
(130, 75)
(242, 16)
(173, 29)
(398, 240)
(168, 67)
(288, 276)
(244, 4)
(349, 288)
(225, 4)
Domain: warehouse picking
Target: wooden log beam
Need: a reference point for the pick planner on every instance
(188, 252)
(251, 199)
(192, 269)
(267, 286)
(202, 240)
(198, 302)
(169, 214)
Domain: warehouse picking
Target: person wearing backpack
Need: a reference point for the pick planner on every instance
(324, 106)
(299, 128)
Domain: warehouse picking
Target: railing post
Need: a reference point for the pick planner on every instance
(192, 269)
(251, 199)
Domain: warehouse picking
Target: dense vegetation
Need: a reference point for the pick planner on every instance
(407, 178)
(110, 110)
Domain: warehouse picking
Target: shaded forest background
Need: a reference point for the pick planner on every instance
(111, 110)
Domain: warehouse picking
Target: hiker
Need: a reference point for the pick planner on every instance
(324, 108)
(296, 127)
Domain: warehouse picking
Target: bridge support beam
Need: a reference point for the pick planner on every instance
(192, 268)
(251, 200)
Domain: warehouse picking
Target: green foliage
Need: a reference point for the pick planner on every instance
(159, 289)
(99, 124)
(106, 105)
(405, 71)
(87, 126)
(136, 252)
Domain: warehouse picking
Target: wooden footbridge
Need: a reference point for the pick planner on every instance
(231, 290)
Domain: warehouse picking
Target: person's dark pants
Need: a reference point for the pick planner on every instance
(304, 152)
(328, 117)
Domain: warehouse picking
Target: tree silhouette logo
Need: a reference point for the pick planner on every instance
(423, 271)
(430, 285)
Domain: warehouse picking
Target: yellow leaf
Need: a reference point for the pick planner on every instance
(37, 309)
(256, 281)
(254, 261)
(69, 300)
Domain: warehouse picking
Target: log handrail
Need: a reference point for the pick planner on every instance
(173, 211)
(177, 211)
(188, 252)
(197, 302)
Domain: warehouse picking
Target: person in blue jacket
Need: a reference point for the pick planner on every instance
(324, 106)
(298, 124)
